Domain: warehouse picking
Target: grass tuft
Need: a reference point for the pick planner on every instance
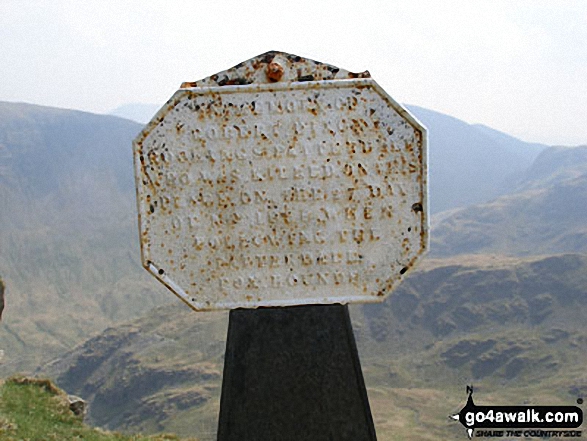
(37, 410)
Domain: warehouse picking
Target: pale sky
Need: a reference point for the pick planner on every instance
(519, 66)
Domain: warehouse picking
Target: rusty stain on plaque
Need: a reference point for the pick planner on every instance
(281, 181)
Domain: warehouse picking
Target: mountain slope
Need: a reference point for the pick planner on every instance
(554, 166)
(470, 164)
(69, 250)
(68, 242)
(161, 372)
(69, 256)
(546, 213)
(517, 322)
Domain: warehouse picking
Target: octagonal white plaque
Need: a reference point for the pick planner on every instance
(282, 194)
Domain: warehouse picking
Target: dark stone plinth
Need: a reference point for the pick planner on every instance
(293, 374)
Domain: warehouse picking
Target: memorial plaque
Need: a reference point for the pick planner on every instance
(283, 193)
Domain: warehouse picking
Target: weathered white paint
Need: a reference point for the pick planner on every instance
(282, 194)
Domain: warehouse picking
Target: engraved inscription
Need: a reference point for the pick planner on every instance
(281, 195)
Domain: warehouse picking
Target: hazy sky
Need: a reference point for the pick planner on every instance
(519, 66)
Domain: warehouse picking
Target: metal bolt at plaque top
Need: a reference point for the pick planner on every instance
(284, 189)
(280, 182)
(274, 70)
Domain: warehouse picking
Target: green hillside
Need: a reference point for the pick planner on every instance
(37, 410)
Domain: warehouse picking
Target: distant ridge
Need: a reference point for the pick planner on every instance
(545, 214)
(470, 164)
(138, 112)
